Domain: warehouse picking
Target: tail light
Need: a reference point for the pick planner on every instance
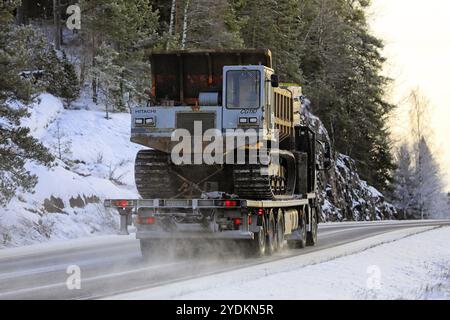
(230, 203)
(122, 203)
(145, 220)
(150, 220)
(237, 221)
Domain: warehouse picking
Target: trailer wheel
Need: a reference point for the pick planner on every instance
(258, 244)
(280, 230)
(312, 235)
(300, 243)
(272, 238)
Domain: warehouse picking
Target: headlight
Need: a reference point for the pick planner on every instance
(150, 121)
(243, 120)
(139, 121)
(253, 120)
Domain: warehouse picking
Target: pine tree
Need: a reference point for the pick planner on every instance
(60, 78)
(53, 71)
(17, 147)
(108, 72)
(206, 28)
(341, 66)
(128, 27)
(427, 197)
(70, 86)
(404, 184)
(274, 25)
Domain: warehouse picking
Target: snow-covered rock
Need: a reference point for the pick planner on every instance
(97, 163)
(343, 194)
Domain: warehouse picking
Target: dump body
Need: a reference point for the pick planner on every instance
(179, 76)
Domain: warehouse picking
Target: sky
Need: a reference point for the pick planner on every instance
(416, 34)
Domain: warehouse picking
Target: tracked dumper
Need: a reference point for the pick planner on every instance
(230, 91)
(228, 156)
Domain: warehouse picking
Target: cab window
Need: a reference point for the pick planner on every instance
(243, 89)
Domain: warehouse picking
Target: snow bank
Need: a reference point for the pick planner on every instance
(42, 114)
(68, 200)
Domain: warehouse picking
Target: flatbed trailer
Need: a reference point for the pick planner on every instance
(263, 225)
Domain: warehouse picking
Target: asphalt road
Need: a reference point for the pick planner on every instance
(114, 267)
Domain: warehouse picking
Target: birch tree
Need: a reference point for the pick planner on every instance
(427, 176)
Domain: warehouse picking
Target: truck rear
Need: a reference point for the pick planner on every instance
(261, 227)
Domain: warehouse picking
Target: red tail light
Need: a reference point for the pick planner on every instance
(230, 203)
(121, 203)
(260, 211)
(237, 221)
(144, 220)
(249, 220)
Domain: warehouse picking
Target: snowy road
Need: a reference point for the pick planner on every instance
(112, 265)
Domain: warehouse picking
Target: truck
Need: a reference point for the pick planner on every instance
(229, 154)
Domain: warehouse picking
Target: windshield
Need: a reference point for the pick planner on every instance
(243, 89)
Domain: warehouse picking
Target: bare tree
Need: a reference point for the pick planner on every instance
(172, 19)
(428, 179)
(418, 115)
(62, 144)
(57, 21)
(185, 24)
(21, 12)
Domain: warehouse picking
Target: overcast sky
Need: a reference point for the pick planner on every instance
(417, 39)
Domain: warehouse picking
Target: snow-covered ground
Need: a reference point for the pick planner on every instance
(97, 163)
(414, 267)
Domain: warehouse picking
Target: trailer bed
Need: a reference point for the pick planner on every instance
(221, 219)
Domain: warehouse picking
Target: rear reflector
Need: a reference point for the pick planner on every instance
(230, 203)
(150, 220)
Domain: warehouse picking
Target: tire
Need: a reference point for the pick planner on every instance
(301, 243)
(280, 230)
(272, 240)
(303, 233)
(311, 239)
(258, 244)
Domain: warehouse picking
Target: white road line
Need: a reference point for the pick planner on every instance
(89, 279)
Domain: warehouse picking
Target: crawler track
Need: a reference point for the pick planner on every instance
(152, 175)
(258, 181)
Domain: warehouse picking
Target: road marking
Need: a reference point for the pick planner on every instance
(88, 279)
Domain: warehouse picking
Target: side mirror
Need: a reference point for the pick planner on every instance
(274, 81)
